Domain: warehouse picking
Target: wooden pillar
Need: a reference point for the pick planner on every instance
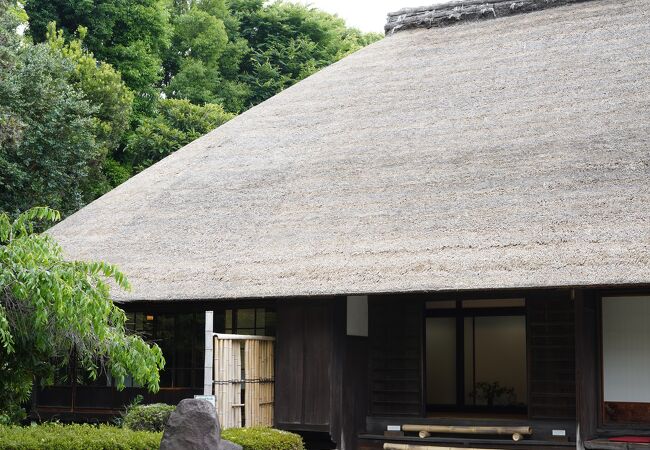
(350, 401)
(587, 379)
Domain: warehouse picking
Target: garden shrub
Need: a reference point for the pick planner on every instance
(147, 417)
(55, 436)
(263, 439)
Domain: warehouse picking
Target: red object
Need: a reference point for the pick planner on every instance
(634, 439)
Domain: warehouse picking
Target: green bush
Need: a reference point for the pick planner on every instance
(147, 417)
(55, 436)
(263, 439)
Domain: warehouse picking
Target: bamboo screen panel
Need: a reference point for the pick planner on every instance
(243, 380)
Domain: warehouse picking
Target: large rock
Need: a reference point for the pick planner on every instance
(227, 445)
(193, 425)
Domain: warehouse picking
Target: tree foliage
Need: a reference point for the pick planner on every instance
(177, 123)
(48, 159)
(102, 86)
(289, 42)
(131, 35)
(255, 50)
(9, 39)
(51, 309)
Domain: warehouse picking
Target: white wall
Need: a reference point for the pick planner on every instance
(626, 349)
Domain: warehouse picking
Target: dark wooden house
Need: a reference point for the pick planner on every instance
(449, 227)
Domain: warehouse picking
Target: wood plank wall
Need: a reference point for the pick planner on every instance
(304, 349)
(551, 355)
(395, 348)
(321, 373)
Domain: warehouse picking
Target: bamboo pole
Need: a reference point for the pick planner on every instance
(251, 375)
(219, 372)
(271, 375)
(236, 387)
(226, 394)
(248, 387)
(523, 431)
(247, 393)
(258, 360)
(229, 386)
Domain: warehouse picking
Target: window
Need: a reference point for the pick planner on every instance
(476, 355)
(626, 359)
(179, 336)
(181, 339)
(246, 321)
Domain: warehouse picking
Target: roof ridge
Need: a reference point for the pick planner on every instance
(455, 11)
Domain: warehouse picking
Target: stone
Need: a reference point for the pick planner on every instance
(227, 445)
(193, 425)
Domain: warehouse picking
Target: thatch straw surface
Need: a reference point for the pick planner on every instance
(496, 154)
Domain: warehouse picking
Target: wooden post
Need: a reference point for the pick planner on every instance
(586, 345)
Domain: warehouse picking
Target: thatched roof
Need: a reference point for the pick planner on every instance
(494, 154)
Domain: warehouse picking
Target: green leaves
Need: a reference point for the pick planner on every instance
(289, 42)
(100, 84)
(178, 122)
(49, 159)
(50, 307)
(131, 35)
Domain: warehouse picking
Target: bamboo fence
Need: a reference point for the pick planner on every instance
(243, 380)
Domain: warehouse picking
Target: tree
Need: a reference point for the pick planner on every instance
(9, 39)
(290, 42)
(131, 35)
(198, 42)
(241, 52)
(48, 158)
(102, 86)
(178, 123)
(52, 309)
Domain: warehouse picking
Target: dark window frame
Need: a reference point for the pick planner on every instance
(460, 313)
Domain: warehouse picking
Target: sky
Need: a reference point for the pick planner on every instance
(367, 15)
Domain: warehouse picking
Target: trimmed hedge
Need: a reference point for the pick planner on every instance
(263, 439)
(55, 436)
(147, 417)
